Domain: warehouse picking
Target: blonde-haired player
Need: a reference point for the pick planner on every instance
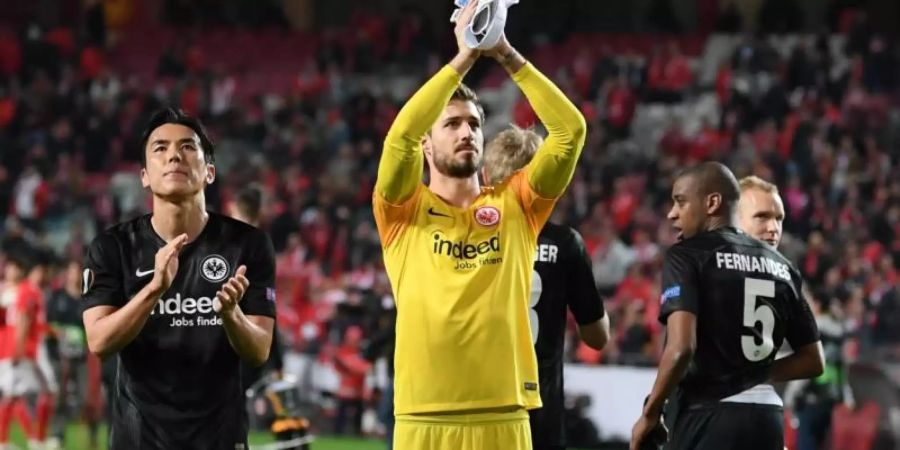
(760, 210)
(459, 257)
(761, 213)
(563, 279)
(509, 151)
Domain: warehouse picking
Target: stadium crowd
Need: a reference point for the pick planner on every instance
(817, 120)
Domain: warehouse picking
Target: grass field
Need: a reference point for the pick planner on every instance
(77, 439)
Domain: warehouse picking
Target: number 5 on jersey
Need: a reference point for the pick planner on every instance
(761, 314)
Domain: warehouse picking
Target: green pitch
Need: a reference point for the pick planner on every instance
(77, 439)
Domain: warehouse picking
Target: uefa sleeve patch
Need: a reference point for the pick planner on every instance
(270, 294)
(669, 293)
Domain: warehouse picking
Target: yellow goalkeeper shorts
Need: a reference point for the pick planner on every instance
(482, 431)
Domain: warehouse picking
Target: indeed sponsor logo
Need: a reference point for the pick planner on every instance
(469, 255)
(187, 306)
(465, 250)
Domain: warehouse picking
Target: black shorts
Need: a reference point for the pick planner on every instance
(547, 428)
(728, 426)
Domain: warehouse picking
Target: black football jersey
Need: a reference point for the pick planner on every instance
(178, 384)
(747, 299)
(562, 277)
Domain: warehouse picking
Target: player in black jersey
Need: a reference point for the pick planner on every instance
(247, 207)
(182, 295)
(562, 276)
(728, 302)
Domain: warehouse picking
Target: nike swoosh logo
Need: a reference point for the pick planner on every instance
(432, 212)
(138, 273)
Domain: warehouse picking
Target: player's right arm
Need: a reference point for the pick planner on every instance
(679, 310)
(808, 358)
(680, 307)
(402, 161)
(400, 168)
(110, 320)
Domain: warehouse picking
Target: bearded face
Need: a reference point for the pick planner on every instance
(455, 145)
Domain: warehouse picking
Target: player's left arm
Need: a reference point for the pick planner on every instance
(248, 303)
(585, 302)
(808, 358)
(680, 306)
(551, 170)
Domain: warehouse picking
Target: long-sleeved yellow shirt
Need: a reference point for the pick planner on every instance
(462, 276)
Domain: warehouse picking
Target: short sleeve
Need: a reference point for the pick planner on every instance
(102, 280)
(802, 329)
(259, 300)
(680, 282)
(585, 302)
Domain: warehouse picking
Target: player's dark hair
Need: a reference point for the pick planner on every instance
(21, 258)
(179, 117)
(466, 94)
(712, 177)
(249, 202)
(823, 298)
(44, 257)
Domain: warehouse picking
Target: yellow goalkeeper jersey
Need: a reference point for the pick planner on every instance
(462, 276)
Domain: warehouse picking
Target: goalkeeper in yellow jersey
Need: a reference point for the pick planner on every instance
(459, 257)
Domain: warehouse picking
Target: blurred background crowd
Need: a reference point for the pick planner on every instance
(298, 111)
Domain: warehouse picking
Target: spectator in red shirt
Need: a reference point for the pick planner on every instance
(705, 144)
(620, 106)
(669, 75)
(677, 76)
(634, 287)
(673, 142)
(352, 369)
(724, 79)
(92, 63)
(624, 203)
